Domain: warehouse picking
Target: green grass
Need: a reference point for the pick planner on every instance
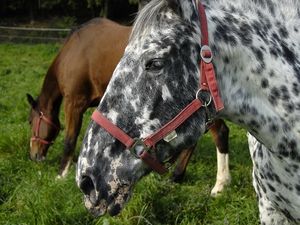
(29, 193)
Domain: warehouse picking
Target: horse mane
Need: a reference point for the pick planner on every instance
(286, 8)
(147, 17)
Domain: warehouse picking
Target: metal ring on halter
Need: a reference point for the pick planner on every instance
(204, 49)
(138, 147)
(205, 104)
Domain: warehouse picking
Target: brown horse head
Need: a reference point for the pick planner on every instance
(44, 130)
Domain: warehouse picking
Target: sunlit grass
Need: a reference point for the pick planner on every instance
(29, 193)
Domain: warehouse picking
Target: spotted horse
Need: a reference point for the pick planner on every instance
(95, 70)
(153, 106)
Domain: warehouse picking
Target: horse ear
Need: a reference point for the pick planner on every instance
(142, 3)
(186, 9)
(31, 101)
(175, 5)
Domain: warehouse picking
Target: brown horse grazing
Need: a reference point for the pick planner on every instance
(80, 74)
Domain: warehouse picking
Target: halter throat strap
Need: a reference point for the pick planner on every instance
(144, 148)
(208, 81)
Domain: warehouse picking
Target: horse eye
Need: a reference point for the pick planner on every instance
(154, 65)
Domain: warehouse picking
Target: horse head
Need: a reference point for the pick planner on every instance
(44, 129)
(157, 77)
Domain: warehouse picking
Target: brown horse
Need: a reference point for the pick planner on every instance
(80, 74)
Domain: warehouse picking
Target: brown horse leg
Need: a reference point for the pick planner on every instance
(73, 121)
(220, 134)
(182, 162)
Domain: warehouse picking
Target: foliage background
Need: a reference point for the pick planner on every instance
(30, 11)
(29, 193)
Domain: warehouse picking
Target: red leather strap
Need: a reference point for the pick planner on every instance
(41, 140)
(203, 24)
(112, 129)
(37, 129)
(127, 141)
(47, 120)
(208, 78)
(209, 82)
(151, 140)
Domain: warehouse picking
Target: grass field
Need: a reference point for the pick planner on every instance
(29, 193)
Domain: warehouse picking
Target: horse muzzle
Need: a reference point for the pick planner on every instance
(96, 210)
(38, 151)
(99, 202)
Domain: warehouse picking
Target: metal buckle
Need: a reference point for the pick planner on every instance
(41, 114)
(205, 104)
(204, 49)
(138, 148)
(210, 120)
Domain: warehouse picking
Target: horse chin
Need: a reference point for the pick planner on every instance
(41, 158)
(37, 157)
(114, 209)
(102, 208)
(38, 153)
(122, 195)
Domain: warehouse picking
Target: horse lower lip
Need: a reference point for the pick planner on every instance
(114, 210)
(96, 210)
(37, 158)
(102, 208)
(96, 213)
(40, 158)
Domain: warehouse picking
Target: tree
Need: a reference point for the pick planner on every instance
(80, 9)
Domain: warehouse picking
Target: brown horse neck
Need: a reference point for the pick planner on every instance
(50, 98)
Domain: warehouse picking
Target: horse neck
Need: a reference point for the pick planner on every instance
(238, 71)
(50, 98)
(242, 66)
(234, 62)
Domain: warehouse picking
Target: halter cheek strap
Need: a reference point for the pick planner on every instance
(208, 80)
(141, 147)
(36, 136)
(149, 142)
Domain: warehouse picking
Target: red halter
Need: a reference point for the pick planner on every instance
(140, 148)
(37, 129)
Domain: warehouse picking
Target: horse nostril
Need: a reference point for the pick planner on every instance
(86, 185)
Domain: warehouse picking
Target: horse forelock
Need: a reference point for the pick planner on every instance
(147, 17)
(157, 12)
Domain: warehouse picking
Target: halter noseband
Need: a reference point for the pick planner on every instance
(36, 136)
(141, 148)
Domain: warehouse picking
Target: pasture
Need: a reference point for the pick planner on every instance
(29, 193)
